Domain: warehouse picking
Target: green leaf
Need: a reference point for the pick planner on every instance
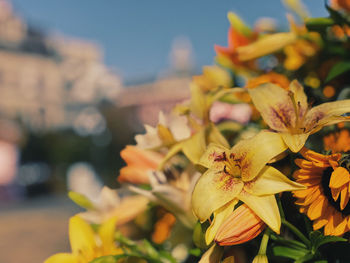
(199, 237)
(288, 252)
(108, 259)
(338, 69)
(81, 200)
(327, 239)
(195, 252)
(318, 23)
(147, 249)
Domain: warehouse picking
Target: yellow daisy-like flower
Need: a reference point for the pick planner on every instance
(86, 244)
(326, 200)
(241, 173)
(288, 112)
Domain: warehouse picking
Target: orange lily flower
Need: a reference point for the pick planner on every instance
(139, 162)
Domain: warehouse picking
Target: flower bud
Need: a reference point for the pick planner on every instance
(240, 227)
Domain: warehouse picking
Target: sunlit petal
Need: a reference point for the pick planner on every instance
(275, 106)
(265, 207)
(317, 115)
(266, 45)
(213, 190)
(214, 157)
(255, 152)
(271, 181)
(62, 258)
(81, 235)
(212, 255)
(219, 216)
(295, 141)
(300, 97)
(107, 232)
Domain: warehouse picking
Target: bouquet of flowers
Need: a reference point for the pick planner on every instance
(254, 167)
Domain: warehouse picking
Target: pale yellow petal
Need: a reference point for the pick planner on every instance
(214, 157)
(194, 147)
(212, 255)
(219, 216)
(213, 190)
(295, 141)
(300, 97)
(266, 45)
(264, 207)
(81, 235)
(271, 181)
(255, 152)
(62, 258)
(198, 105)
(318, 116)
(275, 106)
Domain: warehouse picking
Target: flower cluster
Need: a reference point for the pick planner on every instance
(255, 166)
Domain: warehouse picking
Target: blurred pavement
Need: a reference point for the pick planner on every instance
(32, 230)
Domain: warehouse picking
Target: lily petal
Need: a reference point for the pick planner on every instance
(107, 233)
(255, 152)
(219, 216)
(212, 255)
(213, 190)
(300, 97)
(265, 207)
(62, 258)
(275, 106)
(271, 181)
(81, 235)
(317, 115)
(266, 45)
(295, 141)
(214, 157)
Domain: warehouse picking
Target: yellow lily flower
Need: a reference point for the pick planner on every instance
(241, 173)
(266, 45)
(213, 77)
(288, 113)
(86, 244)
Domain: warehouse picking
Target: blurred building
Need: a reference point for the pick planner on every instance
(147, 98)
(50, 82)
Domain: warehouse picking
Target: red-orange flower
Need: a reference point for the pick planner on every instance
(337, 141)
(139, 163)
(235, 39)
(240, 227)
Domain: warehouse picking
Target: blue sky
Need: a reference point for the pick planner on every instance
(136, 35)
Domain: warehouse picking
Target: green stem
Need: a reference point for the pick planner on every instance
(279, 203)
(296, 232)
(264, 241)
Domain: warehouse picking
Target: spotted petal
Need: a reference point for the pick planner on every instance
(219, 217)
(271, 181)
(264, 207)
(326, 113)
(213, 190)
(275, 106)
(214, 157)
(255, 152)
